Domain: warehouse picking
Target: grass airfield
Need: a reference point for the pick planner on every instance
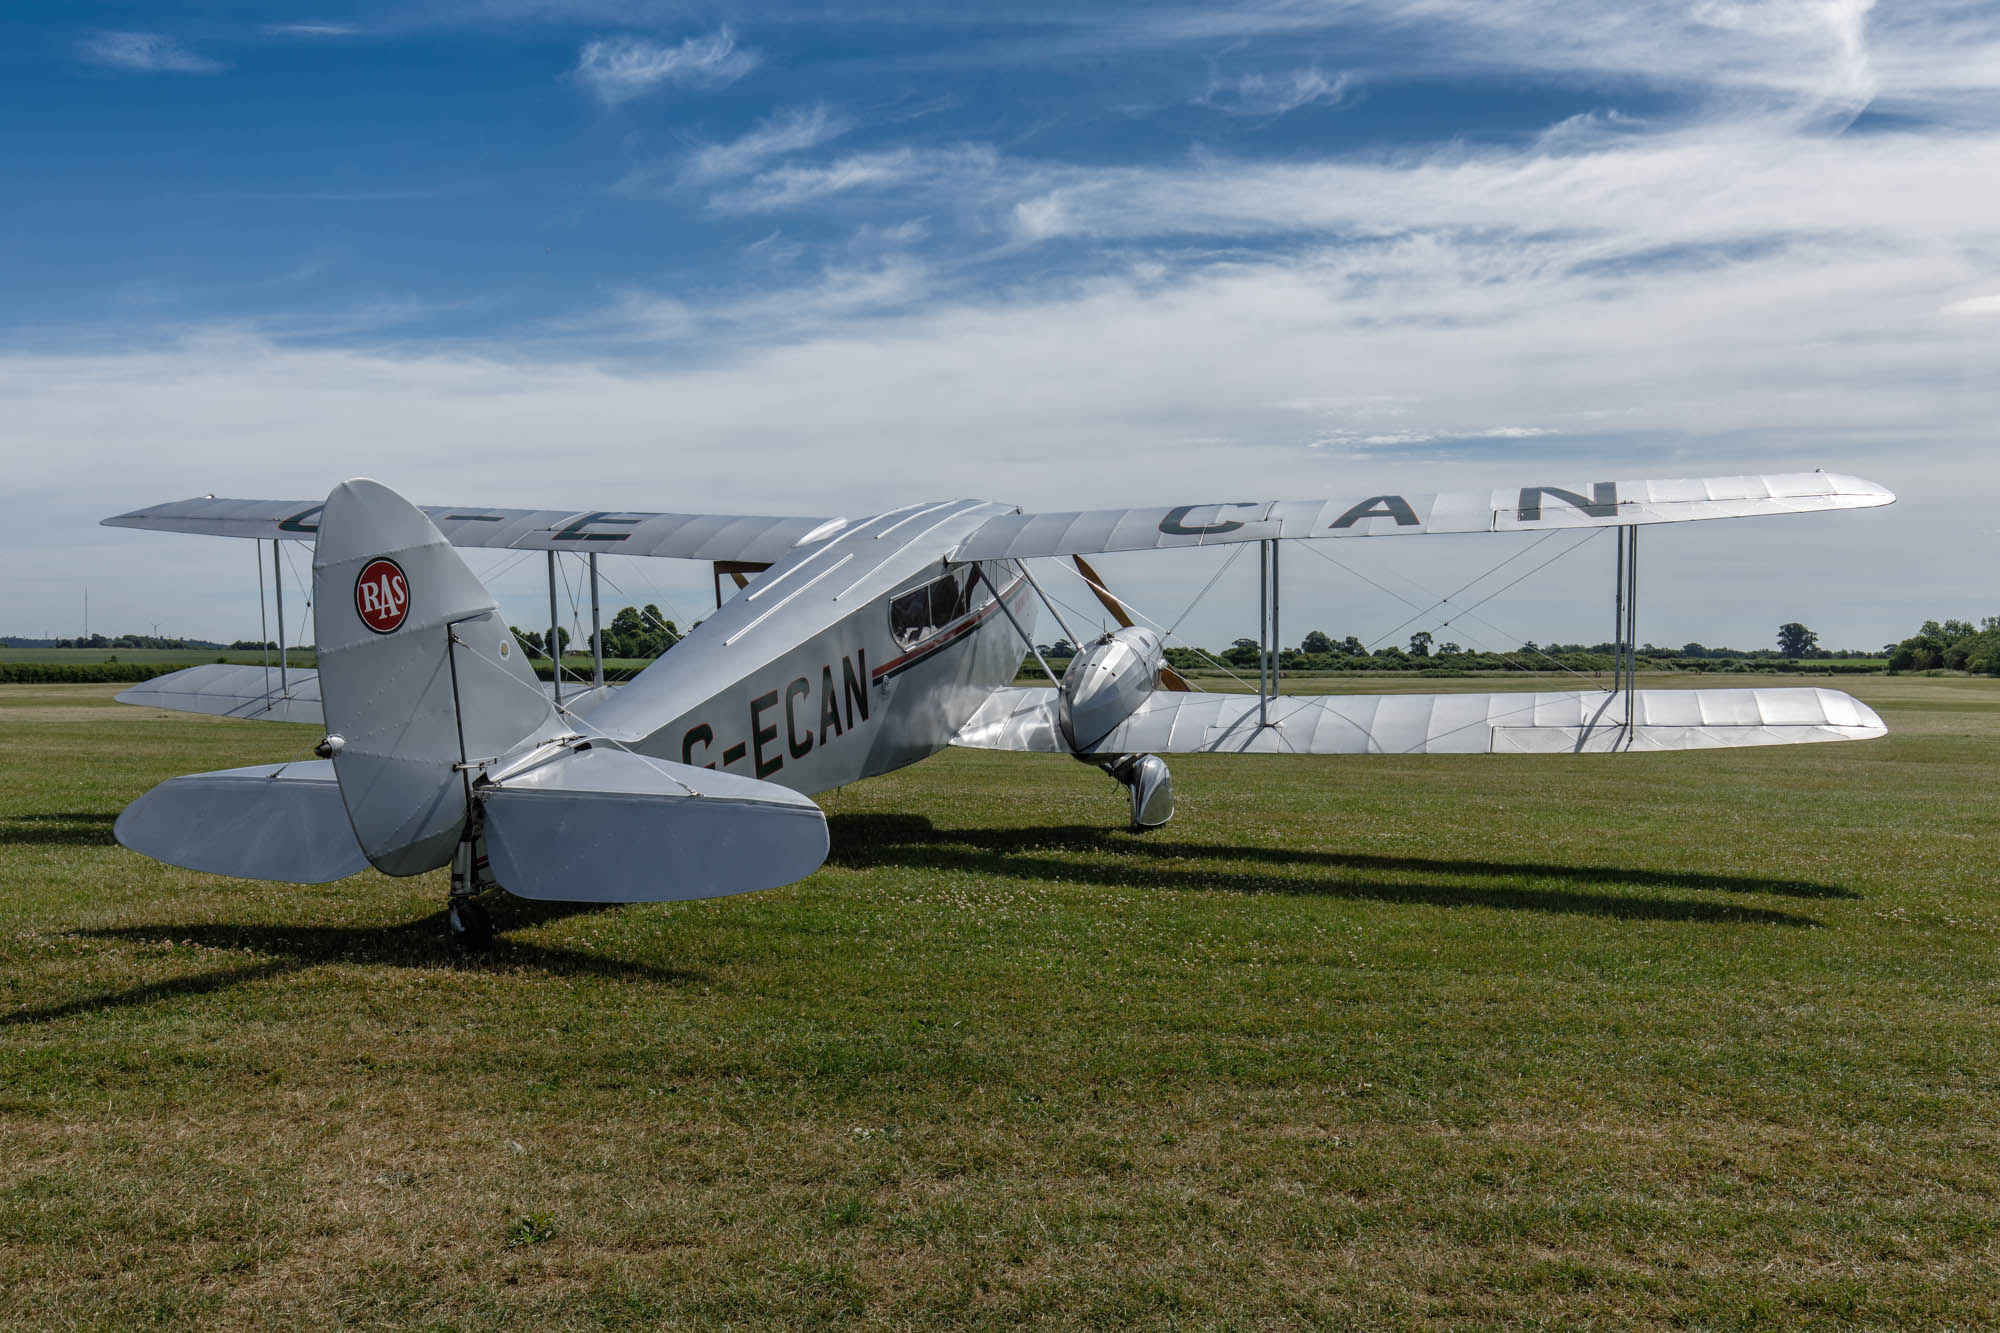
(1698, 1041)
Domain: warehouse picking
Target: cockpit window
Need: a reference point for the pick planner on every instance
(909, 616)
(922, 611)
(947, 600)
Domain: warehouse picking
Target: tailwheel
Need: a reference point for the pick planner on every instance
(465, 916)
(471, 927)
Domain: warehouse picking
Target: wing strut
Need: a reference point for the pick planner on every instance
(263, 625)
(1625, 615)
(278, 575)
(555, 638)
(1268, 642)
(980, 572)
(596, 628)
(739, 571)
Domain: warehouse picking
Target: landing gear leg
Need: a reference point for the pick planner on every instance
(465, 915)
(1145, 776)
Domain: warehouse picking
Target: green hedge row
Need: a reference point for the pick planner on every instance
(573, 675)
(82, 673)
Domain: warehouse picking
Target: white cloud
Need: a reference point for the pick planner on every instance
(619, 69)
(1729, 285)
(1352, 439)
(955, 179)
(311, 30)
(1975, 305)
(789, 187)
(1706, 186)
(1815, 57)
(1258, 94)
(1042, 217)
(144, 53)
(1211, 384)
(781, 134)
(812, 310)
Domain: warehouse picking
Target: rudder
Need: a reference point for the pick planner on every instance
(419, 676)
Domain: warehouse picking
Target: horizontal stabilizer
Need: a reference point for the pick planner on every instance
(221, 689)
(273, 821)
(602, 825)
(1576, 721)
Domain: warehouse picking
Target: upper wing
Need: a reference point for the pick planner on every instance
(612, 531)
(1574, 721)
(1572, 505)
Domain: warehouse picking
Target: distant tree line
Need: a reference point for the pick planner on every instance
(633, 632)
(1953, 645)
(1320, 651)
(125, 641)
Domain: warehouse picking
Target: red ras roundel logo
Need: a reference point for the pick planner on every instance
(382, 595)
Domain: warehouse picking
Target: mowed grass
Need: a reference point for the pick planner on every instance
(1679, 1041)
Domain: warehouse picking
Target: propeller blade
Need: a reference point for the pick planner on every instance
(1169, 678)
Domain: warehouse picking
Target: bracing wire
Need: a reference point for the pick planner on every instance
(1469, 612)
(1446, 599)
(1205, 587)
(305, 596)
(575, 627)
(584, 726)
(1167, 632)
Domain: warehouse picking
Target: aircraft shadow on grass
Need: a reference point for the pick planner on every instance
(417, 943)
(1137, 861)
(65, 828)
(871, 841)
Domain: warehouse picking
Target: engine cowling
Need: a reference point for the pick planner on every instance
(1104, 685)
(1106, 682)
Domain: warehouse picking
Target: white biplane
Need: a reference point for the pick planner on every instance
(863, 646)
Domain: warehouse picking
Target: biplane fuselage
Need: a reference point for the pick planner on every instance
(858, 654)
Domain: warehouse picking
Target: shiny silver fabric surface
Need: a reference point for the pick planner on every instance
(270, 821)
(1564, 505)
(763, 538)
(1589, 721)
(1106, 682)
(221, 689)
(446, 685)
(617, 532)
(604, 826)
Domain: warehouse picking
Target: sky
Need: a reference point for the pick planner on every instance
(827, 260)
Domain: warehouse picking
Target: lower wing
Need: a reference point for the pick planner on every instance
(223, 689)
(1574, 722)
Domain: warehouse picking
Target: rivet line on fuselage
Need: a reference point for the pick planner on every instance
(965, 507)
(911, 518)
(782, 602)
(766, 585)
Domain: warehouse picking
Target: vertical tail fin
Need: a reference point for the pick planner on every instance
(419, 676)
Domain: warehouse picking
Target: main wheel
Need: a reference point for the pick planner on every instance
(471, 928)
